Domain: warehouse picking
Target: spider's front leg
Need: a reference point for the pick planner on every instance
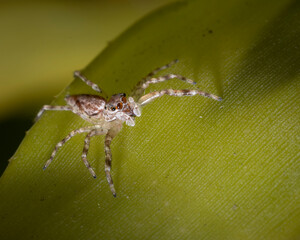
(177, 93)
(142, 85)
(86, 147)
(108, 156)
(108, 159)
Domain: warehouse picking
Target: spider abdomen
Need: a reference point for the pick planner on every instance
(87, 106)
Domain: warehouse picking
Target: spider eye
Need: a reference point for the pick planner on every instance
(119, 105)
(113, 109)
(124, 100)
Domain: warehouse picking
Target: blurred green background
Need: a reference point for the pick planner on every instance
(42, 43)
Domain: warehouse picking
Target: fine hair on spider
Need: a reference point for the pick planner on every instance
(108, 115)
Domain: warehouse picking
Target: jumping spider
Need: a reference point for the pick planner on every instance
(107, 116)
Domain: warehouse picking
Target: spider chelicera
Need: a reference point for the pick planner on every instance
(107, 116)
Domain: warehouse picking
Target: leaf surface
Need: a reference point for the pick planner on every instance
(191, 168)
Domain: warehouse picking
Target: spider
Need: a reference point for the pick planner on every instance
(107, 116)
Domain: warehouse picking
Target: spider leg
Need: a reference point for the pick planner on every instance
(67, 138)
(138, 90)
(165, 78)
(87, 139)
(177, 93)
(88, 82)
(161, 68)
(55, 108)
(108, 157)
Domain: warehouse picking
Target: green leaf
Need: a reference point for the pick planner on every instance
(191, 168)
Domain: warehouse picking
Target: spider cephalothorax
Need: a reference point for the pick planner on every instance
(117, 102)
(119, 108)
(107, 116)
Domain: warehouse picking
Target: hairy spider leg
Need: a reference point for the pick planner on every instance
(165, 78)
(67, 138)
(108, 156)
(55, 108)
(108, 159)
(138, 90)
(86, 147)
(177, 93)
(161, 68)
(88, 82)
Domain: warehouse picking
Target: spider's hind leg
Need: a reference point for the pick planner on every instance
(54, 108)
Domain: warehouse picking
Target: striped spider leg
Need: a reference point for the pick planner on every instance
(108, 115)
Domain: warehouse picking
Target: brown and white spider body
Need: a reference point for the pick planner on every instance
(108, 116)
